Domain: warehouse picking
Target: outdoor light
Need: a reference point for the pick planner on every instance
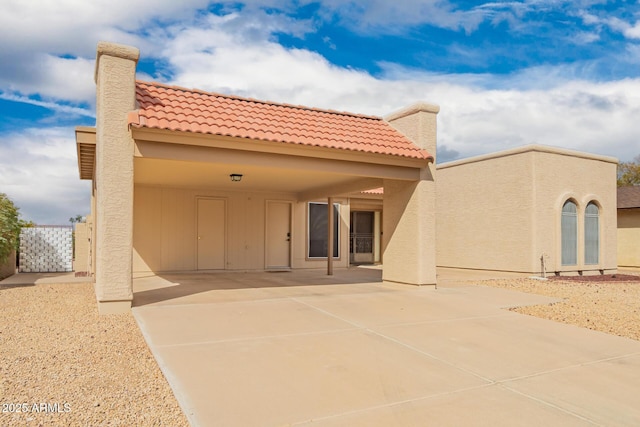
(236, 177)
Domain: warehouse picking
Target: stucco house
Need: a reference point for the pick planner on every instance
(188, 180)
(533, 209)
(629, 226)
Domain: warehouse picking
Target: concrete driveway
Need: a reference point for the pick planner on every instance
(302, 348)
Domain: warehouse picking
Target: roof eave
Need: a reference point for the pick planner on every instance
(86, 151)
(248, 144)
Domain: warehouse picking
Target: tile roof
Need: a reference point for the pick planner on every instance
(379, 190)
(179, 109)
(629, 197)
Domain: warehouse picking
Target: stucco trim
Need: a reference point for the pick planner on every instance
(116, 50)
(114, 307)
(526, 149)
(419, 107)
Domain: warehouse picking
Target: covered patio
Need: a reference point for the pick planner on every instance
(186, 180)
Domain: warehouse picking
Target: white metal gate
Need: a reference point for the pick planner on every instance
(46, 249)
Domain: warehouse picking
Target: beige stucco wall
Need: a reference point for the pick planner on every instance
(502, 211)
(8, 268)
(629, 238)
(409, 220)
(484, 218)
(81, 248)
(586, 179)
(165, 229)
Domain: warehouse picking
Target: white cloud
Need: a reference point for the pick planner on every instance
(544, 105)
(48, 47)
(633, 31)
(39, 172)
(237, 54)
(627, 29)
(396, 16)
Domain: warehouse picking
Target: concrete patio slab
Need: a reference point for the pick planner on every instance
(278, 380)
(605, 392)
(407, 304)
(233, 321)
(488, 406)
(511, 345)
(304, 348)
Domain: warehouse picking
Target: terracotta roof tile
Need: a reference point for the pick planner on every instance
(179, 109)
(379, 190)
(629, 197)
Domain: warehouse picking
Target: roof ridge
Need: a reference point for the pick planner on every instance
(259, 101)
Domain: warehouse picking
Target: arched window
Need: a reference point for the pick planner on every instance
(569, 231)
(591, 234)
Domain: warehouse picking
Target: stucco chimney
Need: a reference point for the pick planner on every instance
(409, 220)
(115, 98)
(418, 123)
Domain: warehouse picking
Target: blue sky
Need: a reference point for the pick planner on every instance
(505, 74)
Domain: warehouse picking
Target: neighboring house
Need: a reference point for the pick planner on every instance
(187, 180)
(532, 209)
(629, 226)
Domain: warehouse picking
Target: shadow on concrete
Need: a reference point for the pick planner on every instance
(156, 288)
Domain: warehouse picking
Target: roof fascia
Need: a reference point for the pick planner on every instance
(246, 144)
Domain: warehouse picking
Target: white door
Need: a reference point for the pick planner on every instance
(278, 236)
(211, 234)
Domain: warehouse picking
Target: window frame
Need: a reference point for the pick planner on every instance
(591, 255)
(569, 259)
(336, 243)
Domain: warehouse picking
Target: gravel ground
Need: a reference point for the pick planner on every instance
(90, 370)
(611, 307)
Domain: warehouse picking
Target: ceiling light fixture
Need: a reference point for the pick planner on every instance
(236, 177)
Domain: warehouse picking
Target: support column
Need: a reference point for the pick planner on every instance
(409, 219)
(330, 227)
(115, 98)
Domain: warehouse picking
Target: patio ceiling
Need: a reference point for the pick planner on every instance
(310, 172)
(178, 173)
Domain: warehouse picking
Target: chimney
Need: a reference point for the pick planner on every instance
(418, 123)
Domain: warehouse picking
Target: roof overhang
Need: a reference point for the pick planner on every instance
(271, 147)
(360, 170)
(184, 159)
(86, 150)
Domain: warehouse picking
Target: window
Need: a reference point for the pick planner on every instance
(319, 229)
(569, 231)
(591, 234)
